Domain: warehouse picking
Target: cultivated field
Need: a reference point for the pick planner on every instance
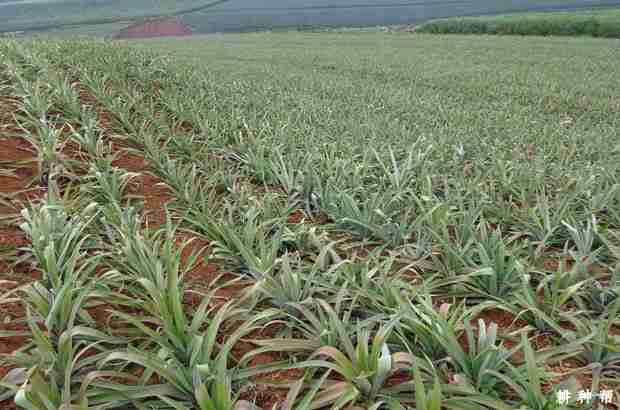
(252, 15)
(602, 23)
(361, 220)
(209, 16)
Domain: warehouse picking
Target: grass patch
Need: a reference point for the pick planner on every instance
(600, 23)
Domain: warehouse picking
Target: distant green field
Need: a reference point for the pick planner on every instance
(599, 23)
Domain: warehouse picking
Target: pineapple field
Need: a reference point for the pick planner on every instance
(303, 221)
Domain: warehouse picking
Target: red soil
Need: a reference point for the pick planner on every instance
(299, 216)
(505, 321)
(16, 155)
(15, 149)
(154, 193)
(12, 236)
(72, 150)
(8, 126)
(156, 196)
(14, 152)
(266, 396)
(130, 162)
(87, 99)
(17, 182)
(155, 28)
(10, 344)
(296, 217)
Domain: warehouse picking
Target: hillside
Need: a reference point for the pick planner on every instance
(45, 15)
(247, 15)
(250, 15)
